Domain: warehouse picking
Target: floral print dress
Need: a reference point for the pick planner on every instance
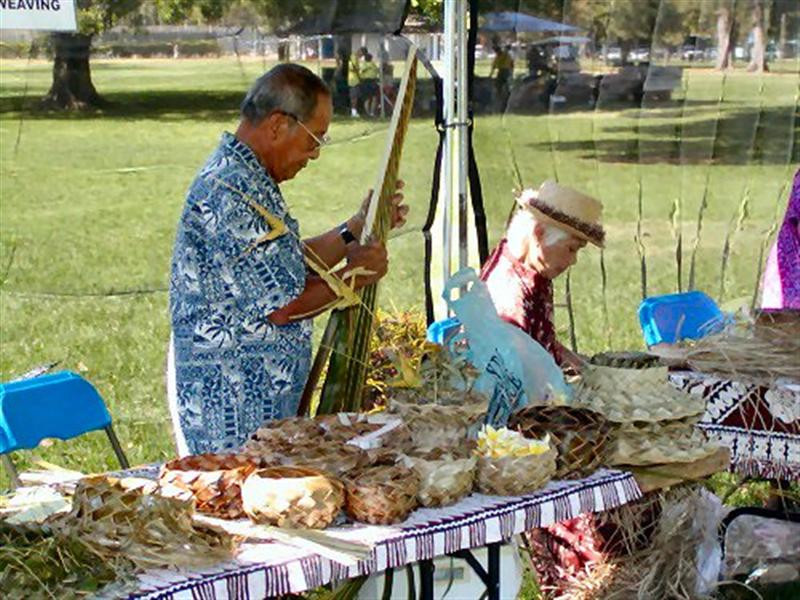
(232, 368)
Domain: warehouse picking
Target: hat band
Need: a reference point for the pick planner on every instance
(593, 232)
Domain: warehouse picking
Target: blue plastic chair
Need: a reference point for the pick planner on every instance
(439, 332)
(60, 405)
(674, 317)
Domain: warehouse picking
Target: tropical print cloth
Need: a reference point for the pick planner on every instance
(234, 368)
(522, 297)
(782, 276)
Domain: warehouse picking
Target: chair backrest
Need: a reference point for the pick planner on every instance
(61, 405)
(440, 331)
(674, 317)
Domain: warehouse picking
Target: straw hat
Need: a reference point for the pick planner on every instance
(568, 209)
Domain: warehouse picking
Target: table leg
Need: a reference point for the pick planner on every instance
(493, 585)
(426, 568)
(388, 584)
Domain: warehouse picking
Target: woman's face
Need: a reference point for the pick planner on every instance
(553, 259)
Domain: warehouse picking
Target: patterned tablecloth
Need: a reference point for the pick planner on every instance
(270, 568)
(760, 424)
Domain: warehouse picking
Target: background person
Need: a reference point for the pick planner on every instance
(781, 285)
(369, 91)
(503, 65)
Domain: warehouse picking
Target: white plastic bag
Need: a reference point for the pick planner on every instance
(515, 370)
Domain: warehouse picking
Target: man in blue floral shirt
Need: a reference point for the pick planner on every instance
(240, 292)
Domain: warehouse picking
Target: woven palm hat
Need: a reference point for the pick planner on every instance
(566, 208)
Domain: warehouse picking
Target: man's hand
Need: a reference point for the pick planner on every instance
(399, 210)
(372, 257)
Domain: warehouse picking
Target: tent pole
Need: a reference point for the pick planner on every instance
(461, 129)
(450, 16)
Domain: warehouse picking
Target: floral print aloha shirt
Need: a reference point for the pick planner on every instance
(234, 368)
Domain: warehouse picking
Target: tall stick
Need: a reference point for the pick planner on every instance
(347, 369)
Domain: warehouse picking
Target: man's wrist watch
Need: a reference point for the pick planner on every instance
(346, 235)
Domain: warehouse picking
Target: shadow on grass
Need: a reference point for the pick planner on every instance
(737, 138)
(172, 105)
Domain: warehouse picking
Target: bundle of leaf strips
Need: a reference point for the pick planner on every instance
(664, 566)
(38, 564)
(352, 327)
(758, 353)
(126, 517)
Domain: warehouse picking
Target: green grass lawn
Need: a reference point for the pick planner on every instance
(89, 205)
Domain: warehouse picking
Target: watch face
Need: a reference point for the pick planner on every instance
(346, 234)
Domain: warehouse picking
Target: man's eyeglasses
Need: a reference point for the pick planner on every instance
(324, 141)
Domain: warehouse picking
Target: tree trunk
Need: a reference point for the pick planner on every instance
(758, 60)
(783, 39)
(724, 39)
(72, 87)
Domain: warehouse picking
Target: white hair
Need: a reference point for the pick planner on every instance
(523, 223)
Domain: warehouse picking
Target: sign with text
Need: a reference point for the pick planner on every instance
(46, 15)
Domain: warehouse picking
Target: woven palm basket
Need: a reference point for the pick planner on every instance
(126, 516)
(437, 426)
(382, 494)
(293, 497)
(292, 429)
(580, 436)
(515, 475)
(275, 440)
(446, 396)
(444, 478)
(362, 429)
(212, 480)
(336, 459)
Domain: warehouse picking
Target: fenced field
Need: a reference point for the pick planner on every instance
(89, 205)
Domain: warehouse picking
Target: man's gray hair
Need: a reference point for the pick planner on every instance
(286, 87)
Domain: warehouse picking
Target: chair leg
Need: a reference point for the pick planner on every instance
(12, 470)
(112, 437)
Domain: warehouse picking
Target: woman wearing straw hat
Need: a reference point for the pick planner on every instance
(542, 240)
(548, 228)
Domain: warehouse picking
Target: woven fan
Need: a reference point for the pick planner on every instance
(113, 516)
(625, 395)
(348, 331)
(212, 480)
(292, 497)
(655, 449)
(382, 494)
(580, 436)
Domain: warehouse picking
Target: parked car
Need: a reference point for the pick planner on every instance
(613, 55)
(692, 53)
(641, 54)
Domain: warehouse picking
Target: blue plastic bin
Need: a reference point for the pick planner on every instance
(694, 313)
